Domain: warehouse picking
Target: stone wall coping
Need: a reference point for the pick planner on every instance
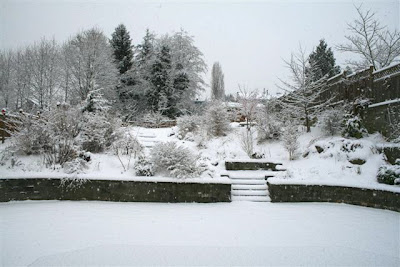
(378, 186)
(252, 161)
(154, 179)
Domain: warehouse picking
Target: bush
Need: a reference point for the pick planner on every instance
(51, 134)
(175, 161)
(32, 135)
(353, 127)
(289, 138)
(389, 174)
(332, 121)
(188, 124)
(96, 132)
(268, 126)
(216, 120)
(144, 167)
(126, 144)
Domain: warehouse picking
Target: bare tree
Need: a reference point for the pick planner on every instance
(89, 59)
(304, 97)
(376, 44)
(249, 101)
(44, 59)
(22, 78)
(217, 82)
(6, 72)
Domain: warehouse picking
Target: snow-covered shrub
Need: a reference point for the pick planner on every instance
(96, 132)
(32, 135)
(332, 121)
(154, 119)
(389, 174)
(353, 127)
(144, 167)
(188, 124)
(77, 165)
(289, 138)
(216, 120)
(126, 145)
(247, 141)
(268, 126)
(72, 183)
(173, 160)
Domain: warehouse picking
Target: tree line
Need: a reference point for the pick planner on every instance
(162, 74)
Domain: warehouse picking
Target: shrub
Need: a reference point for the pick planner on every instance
(96, 132)
(175, 161)
(144, 167)
(188, 124)
(389, 174)
(353, 127)
(126, 144)
(216, 120)
(32, 135)
(268, 126)
(289, 138)
(247, 141)
(332, 121)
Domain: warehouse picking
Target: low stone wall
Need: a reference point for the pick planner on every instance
(113, 190)
(338, 194)
(250, 165)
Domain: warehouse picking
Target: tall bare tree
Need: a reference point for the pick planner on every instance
(304, 96)
(6, 72)
(90, 61)
(217, 82)
(374, 43)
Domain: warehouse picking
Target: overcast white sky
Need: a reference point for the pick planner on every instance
(249, 39)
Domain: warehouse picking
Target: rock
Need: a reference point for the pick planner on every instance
(357, 161)
(319, 149)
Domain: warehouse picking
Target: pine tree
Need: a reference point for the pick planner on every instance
(145, 54)
(324, 61)
(161, 81)
(121, 43)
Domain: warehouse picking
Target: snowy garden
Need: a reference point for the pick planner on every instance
(101, 108)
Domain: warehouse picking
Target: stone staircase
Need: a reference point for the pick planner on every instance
(249, 179)
(147, 140)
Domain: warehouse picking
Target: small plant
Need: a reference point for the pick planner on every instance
(216, 120)
(175, 161)
(353, 127)
(389, 174)
(331, 121)
(144, 167)
(188, 124)
(126, 145)
(289, 138)
(268, 126)
(247, 141)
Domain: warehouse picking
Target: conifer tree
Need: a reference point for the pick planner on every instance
(161, 89)
(324, 61)
(121, 43)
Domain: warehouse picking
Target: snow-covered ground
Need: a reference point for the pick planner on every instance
(330, 167)
(54, 233)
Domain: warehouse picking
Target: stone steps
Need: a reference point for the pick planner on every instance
(252, 198)
(249, 179)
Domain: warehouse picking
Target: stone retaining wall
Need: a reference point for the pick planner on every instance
(322, 193)
(113, 190)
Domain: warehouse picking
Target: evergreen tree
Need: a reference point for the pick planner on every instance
(324, 61)
(217, 82)
(145, 54)
(161, 89)
(121, 43)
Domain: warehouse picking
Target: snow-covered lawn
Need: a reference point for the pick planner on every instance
(53, 233)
